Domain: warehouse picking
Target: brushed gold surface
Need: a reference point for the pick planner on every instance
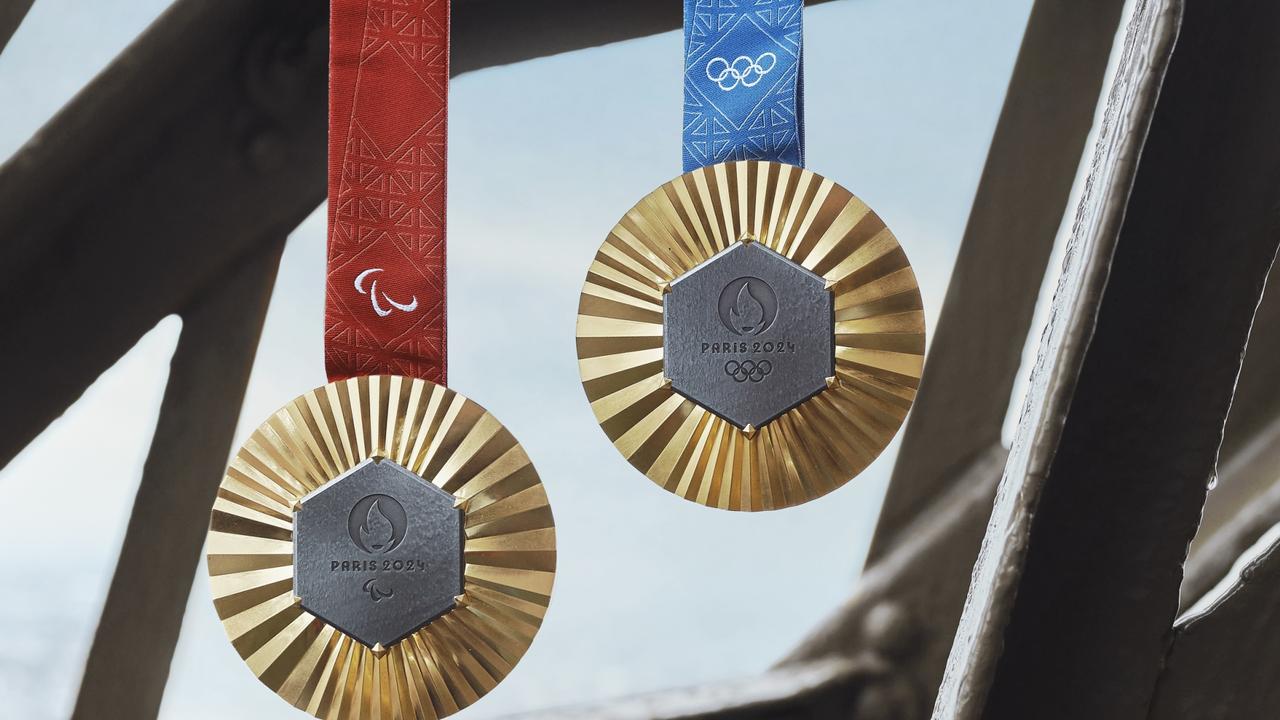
(879, 336)
(509, 550)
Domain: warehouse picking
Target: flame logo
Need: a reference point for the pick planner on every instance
(747, 313)
(748, 306)
(377, 524)
(377, 531)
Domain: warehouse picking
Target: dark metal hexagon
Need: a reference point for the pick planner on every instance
(748, 334)
(378, 552)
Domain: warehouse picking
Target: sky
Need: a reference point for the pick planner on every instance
(652, 592)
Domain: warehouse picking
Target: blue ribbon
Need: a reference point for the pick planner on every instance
(743, 81)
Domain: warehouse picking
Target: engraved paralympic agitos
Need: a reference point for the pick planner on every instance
(376, 593)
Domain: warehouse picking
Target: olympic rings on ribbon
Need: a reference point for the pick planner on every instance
(748, 370)
(742, 71)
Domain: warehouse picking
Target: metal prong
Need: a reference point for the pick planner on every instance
(461, 503)
(460, 600)
(829, 285)
(297, 505)
(747, 238)
(297, 601)
(666, 288)
(833, 382)
(666, 383)
(378, 650)
(749, 431)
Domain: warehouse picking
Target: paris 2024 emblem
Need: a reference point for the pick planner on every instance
(378, 552)
(377, 524)
(748, 306)
(748, 334)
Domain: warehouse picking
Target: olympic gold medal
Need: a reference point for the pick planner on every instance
(750, 336)
(381, 548)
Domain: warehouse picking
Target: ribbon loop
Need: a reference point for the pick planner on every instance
(388, 100)
(743, 81)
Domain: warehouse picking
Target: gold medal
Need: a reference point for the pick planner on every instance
(381, 547)
(750, 336)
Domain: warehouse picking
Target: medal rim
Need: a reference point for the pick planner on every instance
(453, 659)
(741, 469)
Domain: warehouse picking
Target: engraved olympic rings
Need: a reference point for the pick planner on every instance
(748, 370)
(742, 71)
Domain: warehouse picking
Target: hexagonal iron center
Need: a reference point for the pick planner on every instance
(748, 334)
(378, 552)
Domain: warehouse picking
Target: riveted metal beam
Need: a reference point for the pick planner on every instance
(931, 527)
(1245, 502)
(1074, 599)
(138, 196)
(1223, 664)
(976, 351)
(996, 579)
(11, 15)
(128, 663)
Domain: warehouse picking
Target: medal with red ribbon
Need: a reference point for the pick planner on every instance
(382, 546)
(750, 334)
(388, 121)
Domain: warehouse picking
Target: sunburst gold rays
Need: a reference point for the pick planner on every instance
(818, 445)
(509, 550)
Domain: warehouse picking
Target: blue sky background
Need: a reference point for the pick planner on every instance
(652, 591)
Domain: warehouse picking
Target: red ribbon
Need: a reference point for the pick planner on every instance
(388, 99)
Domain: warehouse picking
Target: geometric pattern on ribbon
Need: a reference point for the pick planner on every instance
(743, 81)
(385, 283)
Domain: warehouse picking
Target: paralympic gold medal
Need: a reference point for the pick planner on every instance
(750, 336)
(381, 547)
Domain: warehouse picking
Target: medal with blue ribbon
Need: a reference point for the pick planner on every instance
(750, 334)
(743, 82)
